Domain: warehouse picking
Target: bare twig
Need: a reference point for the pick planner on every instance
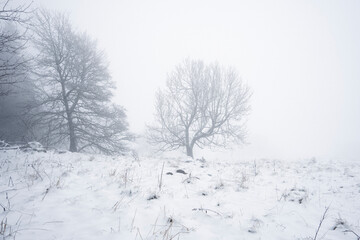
(46, 192)
(188, 180)
(138, 233)
(206, 210)
(37, 172)
(161, 176)
(132, 222)
(357, 235)
(321, 221)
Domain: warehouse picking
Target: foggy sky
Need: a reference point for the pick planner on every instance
(300, 58)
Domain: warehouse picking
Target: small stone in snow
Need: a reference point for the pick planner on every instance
(181, 171)
(169, 173)
(152, 197)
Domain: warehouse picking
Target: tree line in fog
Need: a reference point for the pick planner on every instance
(56, 88)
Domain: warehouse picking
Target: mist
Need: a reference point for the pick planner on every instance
(299, 58)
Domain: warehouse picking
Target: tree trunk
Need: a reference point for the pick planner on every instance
(72, 136)
(189, 147)
(73, 147)
(189, 151)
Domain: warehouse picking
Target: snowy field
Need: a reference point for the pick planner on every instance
(50, 195)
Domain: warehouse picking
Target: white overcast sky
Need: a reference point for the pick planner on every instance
(300, 58)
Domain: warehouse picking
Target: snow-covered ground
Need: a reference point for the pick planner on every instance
(81, 196)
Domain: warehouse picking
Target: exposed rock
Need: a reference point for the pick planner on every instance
(181, 171)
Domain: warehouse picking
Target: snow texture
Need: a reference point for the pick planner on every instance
(49, 195)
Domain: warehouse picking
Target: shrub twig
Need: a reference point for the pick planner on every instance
(321, 221)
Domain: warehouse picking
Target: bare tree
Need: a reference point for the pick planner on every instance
(75, 89)
(202, 105)
(13, 26)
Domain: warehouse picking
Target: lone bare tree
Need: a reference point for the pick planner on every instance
(13, 63)
(202, 105)
(75, 89)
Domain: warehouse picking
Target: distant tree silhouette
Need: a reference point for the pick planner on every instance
(13, 63)
(202, 105)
